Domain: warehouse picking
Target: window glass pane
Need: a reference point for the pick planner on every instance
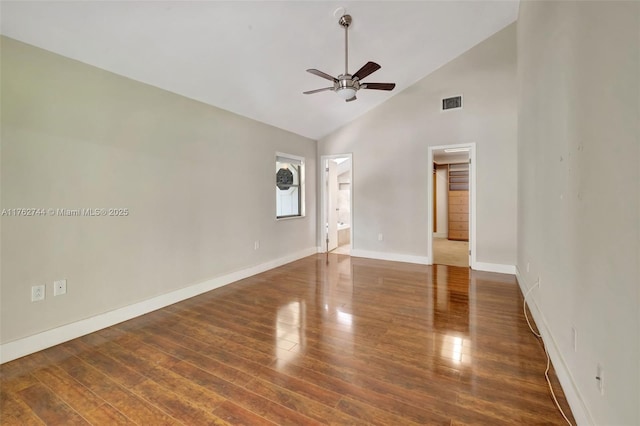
(288, 186)
(287, 202)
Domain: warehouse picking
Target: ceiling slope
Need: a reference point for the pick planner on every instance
(250, 57)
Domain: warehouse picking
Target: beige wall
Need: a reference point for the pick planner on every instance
(390, 145)
(579, 195)
(198, 183)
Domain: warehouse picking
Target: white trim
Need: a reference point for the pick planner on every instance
(440, 235)
(472, 202)
(278, 219)
(286, 156)
(473, 166)
(395, 257)
(28, 345)
(495, 267)
(579, 409)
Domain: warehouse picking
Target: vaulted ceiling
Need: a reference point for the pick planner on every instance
(250, 57)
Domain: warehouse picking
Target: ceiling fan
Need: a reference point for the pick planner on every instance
(346, 85)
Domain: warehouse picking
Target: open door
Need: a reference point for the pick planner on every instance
(447, 231)
(331, 225)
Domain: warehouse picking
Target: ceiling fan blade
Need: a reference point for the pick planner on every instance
(322, 74)
(368, 68)
(317, 90)
(378, 86)
(351, 99)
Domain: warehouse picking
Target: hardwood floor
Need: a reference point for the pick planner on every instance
(340, 341)
(450, 252)
(343, 249)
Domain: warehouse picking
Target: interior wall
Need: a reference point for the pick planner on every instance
(390, 145)
(579, 196)
(198, 183)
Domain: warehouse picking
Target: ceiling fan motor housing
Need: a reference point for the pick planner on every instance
(346, 81)
(346, 86)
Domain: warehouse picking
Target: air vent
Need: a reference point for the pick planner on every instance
(451, 103)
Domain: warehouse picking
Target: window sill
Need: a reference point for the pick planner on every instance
(289, 218)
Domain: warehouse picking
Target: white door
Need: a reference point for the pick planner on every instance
(332, 205)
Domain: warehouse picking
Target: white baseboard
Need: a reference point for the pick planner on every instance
(440, 234)
(495, 267)
(579, 409)
(424, 260)
(396, 257)
(28, 345)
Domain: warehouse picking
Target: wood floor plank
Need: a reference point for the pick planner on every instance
(162, 376)
(253, 369)
(16, 375)
(68, 389)
(372, 415)
(301, 387)
(306, 406)
(244, 397)
(16, 383)
(121, 373)
(323, 340)
(107, 415)
(230, 367)
(420, 407)
(14, 411)
(177, 406)
(235, 415)
(51, 409)
(132, 406)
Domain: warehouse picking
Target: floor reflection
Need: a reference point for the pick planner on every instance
(290, 325)
(335, 293)
(427, 328)
(458, 349)
(451, 310)
(326, 338)
(451, 297)
(290, 331)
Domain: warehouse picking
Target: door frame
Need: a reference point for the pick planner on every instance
(324, 200)
(472, 200)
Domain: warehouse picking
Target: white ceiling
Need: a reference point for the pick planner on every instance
(250, 57)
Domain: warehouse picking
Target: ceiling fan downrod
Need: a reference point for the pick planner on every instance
(345, 21)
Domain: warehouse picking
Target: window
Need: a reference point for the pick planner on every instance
(289, 186)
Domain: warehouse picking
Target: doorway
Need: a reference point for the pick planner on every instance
(336, 210)
(451, 204)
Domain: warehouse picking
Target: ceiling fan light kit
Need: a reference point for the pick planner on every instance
(346, 85)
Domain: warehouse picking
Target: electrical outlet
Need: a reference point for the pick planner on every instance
(528, 267)
(600, 379)
(379, 237)
(256, 245)
(59, 287)
(575, 339)
(37, 293)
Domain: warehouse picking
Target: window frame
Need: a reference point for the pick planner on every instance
(282, 157)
